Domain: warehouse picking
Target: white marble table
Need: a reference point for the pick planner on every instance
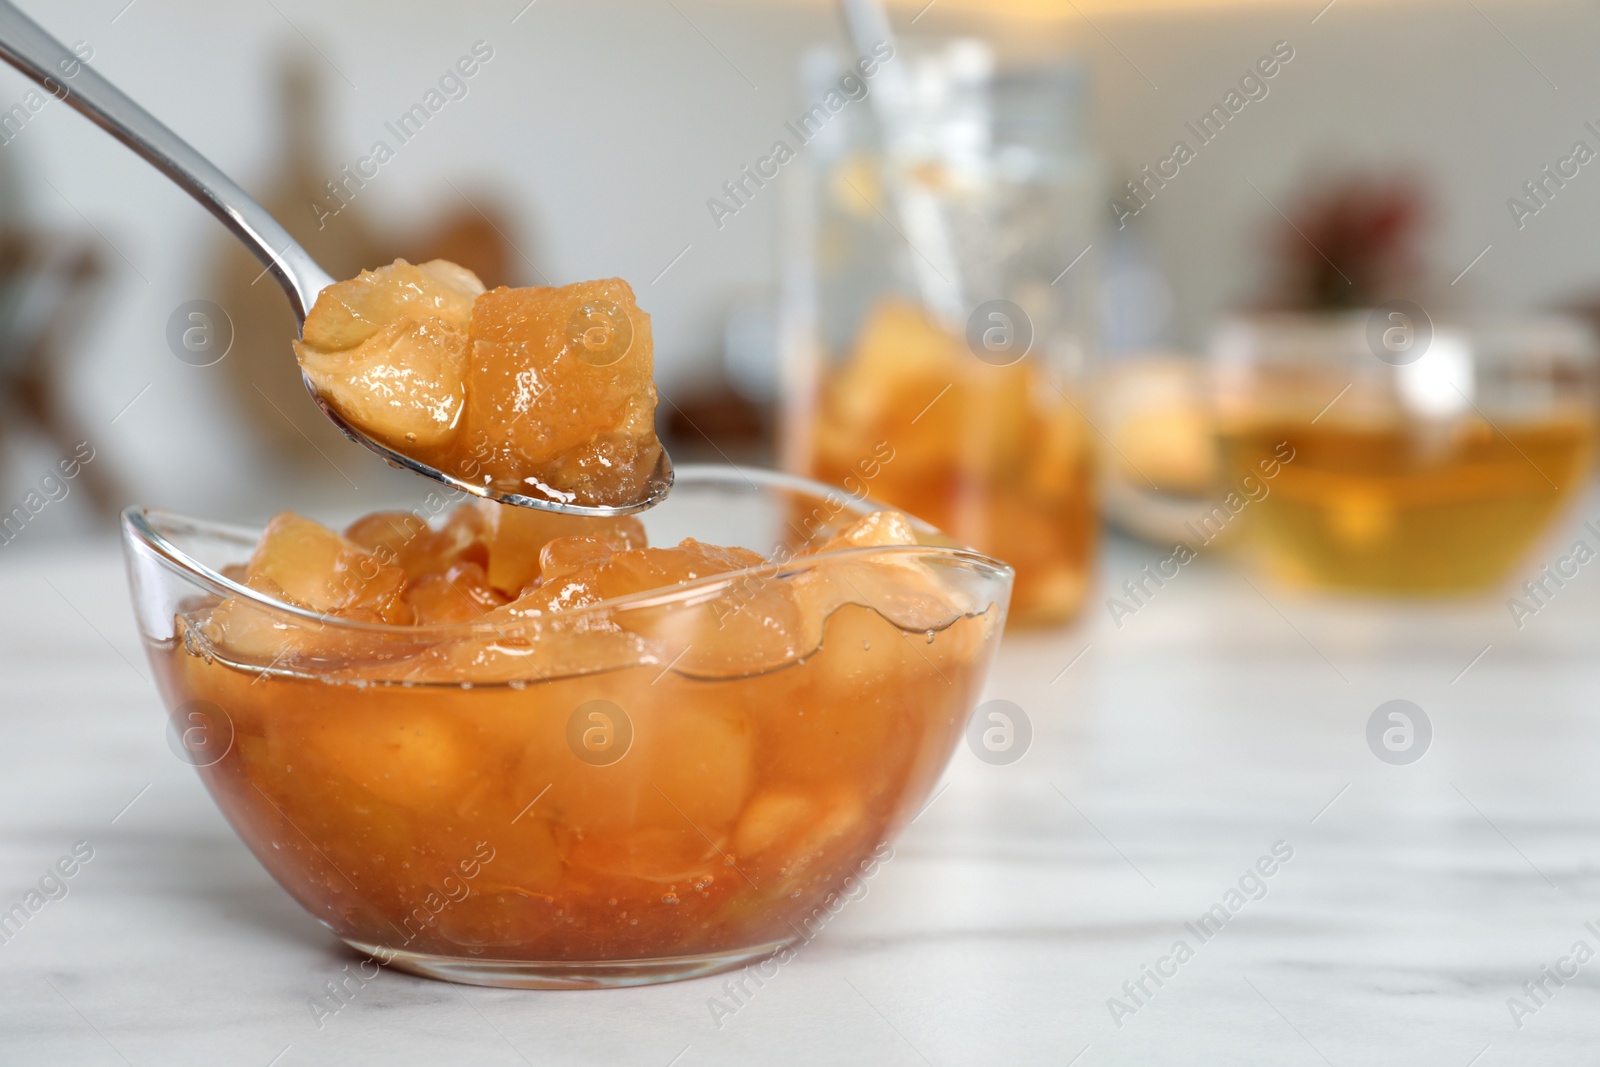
(1166, 762)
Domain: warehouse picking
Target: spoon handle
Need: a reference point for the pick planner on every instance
(26, 46)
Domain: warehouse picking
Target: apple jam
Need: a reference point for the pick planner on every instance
(545, 392)
(517, 736)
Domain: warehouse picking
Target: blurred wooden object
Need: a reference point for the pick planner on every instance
(48, 284)
(471, 238)
(260, 368)
(716, 424)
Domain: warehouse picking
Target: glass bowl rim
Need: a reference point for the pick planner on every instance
(144, 526)
(1578, 340)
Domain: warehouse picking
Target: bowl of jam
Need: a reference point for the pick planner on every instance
(505, 747)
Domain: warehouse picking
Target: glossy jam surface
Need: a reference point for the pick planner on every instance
(545, 391)
(995, 456)
(648, 777)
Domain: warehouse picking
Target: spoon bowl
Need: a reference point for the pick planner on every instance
(659, 484)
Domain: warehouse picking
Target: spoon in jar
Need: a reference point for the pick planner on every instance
(33, 51)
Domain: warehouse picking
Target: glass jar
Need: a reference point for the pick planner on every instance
(938, 297)
(1375, 451)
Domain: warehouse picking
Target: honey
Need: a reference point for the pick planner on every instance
(1408, 507)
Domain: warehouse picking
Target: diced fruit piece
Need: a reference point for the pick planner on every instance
(753, 625)
(954, 421)
(530, 862)
(496, 916)
(799, 824)
(566, 556)
(902, 366)
(906, 592)
(349, 312)
(405, 540)
(657, 568)
(403, 386)
(387, 534)
(312, 566)
(560, 401)
(772, 818)
(902, 588)
(270, 638)
(462, 539)
(388, 350)
(460, 594)
(862, 685)
(661, 811)
(516, 536)
(529, 650)
(579, 589)
(651, 853)
(249, 634)
(457, 289)
(518, 851)
(870, 531)
(865, 647)
(588, 570)
(413, 761)
(899, 341)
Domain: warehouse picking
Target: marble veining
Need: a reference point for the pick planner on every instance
(1021, 916)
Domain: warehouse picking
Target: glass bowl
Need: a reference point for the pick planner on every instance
(658, 786)
(1379, 452)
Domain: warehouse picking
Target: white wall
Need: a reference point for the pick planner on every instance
(1431, 85)
(612, 121)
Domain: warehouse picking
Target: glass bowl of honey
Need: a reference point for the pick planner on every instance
(1379, 452)
(507, 748)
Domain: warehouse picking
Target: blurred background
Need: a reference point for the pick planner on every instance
(1383, 159)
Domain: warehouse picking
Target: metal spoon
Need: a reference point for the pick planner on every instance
(934, 265)
(26, 46)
